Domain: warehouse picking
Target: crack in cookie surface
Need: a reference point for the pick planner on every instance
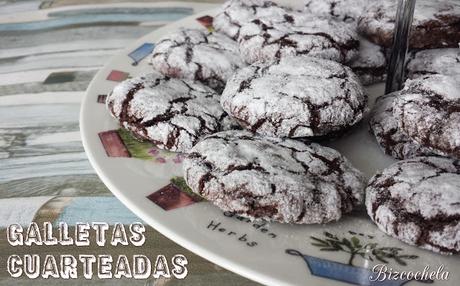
(434, 61)
(295, 97)
(266, 40)
(171, 113)
(347, 11)
(235, 13)
(435, 23)
(392, 140)
(274, 179)
(194, 54)
(428, 110)
(418, 202)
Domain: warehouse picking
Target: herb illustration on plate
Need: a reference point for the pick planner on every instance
(355, 246)
(147, 151)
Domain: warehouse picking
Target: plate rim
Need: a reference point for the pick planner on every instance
(142, 214)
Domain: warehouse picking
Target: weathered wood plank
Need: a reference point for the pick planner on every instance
(46, 165)
(72, 46)
(63, 60)
(44, 98)
(68, 185)
(25, 116)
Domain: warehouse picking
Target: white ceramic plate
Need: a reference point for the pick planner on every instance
(140, 176)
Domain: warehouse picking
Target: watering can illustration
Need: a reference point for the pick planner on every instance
(346, 273)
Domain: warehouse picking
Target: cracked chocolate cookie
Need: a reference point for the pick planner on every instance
(279, 180)
(341, 10)
(265, 40)
(171, 113)
(370, 64)
(295, 97)
(435, 24)
(236, 13)
(418, 202)
(428, 111)
(434, 61)
(209, 58)
(392, 140)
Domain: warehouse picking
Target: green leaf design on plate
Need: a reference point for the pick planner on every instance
(355, 246)
(136, 148)
(145, 150)
(182, 185)
(355, 242)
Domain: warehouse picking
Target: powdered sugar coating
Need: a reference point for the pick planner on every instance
(265, 40)
(428, 110)
(434, 61)
(341, 10)
(273, 179)
(172, 113)
(236, 13)
(198, 55)
(418, 202)
(391, 139)
(435, 23)
(370, 64)
(295, 97)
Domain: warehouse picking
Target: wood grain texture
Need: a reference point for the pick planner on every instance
(43, 81)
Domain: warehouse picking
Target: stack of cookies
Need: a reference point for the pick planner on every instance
(403, 125)
(248, 101)
(417, 199)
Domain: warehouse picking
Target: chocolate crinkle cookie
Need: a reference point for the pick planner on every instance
(279, 180)
(341, 10)
(265, 40)
(392, 140)
(434, 61)
(428, 111)
(370, 64)
(295, 97)
(171, 113)
(418, 202)
(209, 58)
(435, 24)
(235, 13)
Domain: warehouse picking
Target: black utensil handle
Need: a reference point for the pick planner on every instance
(396, 67)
